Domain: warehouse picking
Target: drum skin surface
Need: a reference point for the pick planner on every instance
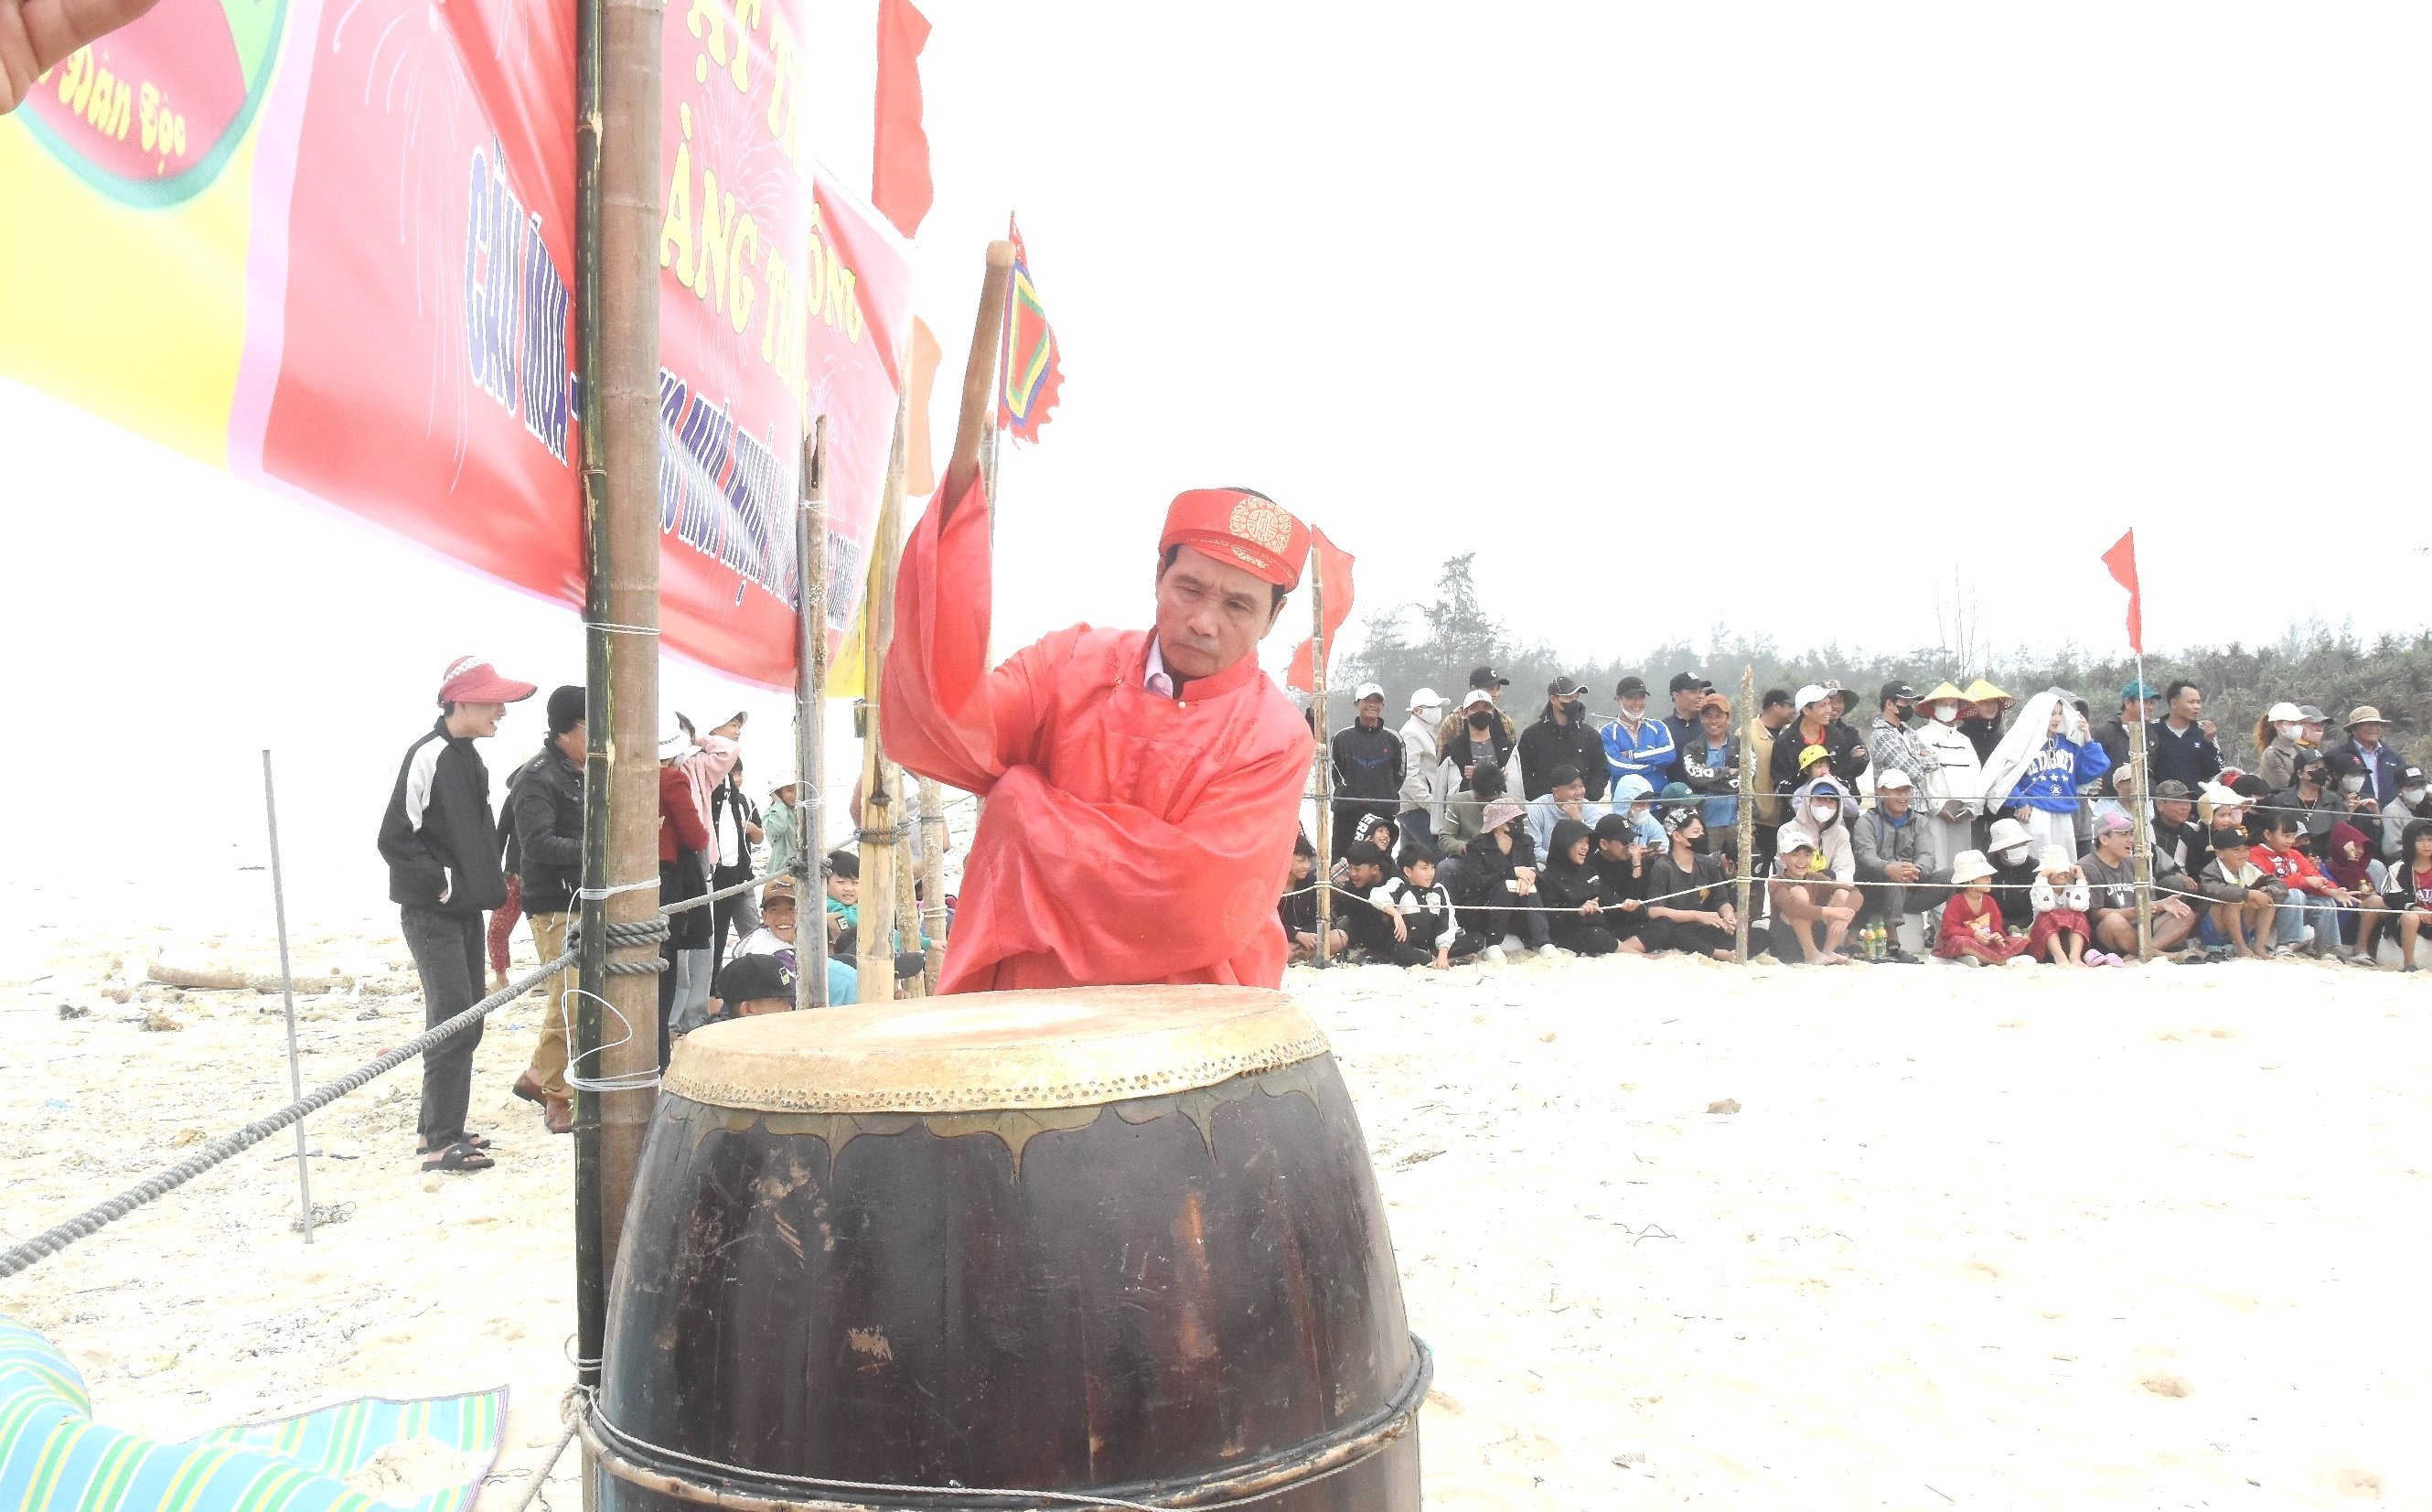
(1117, 1242)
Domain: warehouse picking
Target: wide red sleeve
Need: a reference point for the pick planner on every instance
(937, 713)
(1116, 894)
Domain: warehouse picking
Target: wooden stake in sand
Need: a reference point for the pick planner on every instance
(933, 884)
(811, 723)
(1324, 765)
(287, 985)
(1745, 826)
(881, 784)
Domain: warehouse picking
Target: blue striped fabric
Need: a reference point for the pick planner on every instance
(53, 1456)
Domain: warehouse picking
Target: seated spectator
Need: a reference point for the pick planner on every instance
(1973, 932)
(1820, 811)
(1574, 892)
(2012, 850)
(2280, 735)
(752, 985)
(1900, 851)
(1804, 899)
(2310, 796)
(2351, 859)
(1429, 932)
(1465, 811)
(1636, 745)
(2227, 807)
(2178, 838)
(2110, 871)
(1690, 909)
(2060, 898)
(2349, 784)
(2408, 892)
(1710, 767)
(1633, 801)
(2242, 896)
(1371, 932)
(1562, 738)
(2414, 802)
(1567, 798)
(2037, 768)
(1373, 829)
(2313, 900)
(1623, 859)
(1486, 687)
(777, 934)
(1298, 908)
(1496, 882)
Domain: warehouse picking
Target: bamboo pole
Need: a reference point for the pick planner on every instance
(976, 422)
(933, 884)
(881, 784)
(2142, 814)
(907, 901)
(1746, 812)
(810, 723)
(616, 276)
(1325, 764)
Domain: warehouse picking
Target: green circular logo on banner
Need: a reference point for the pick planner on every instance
(152, 112)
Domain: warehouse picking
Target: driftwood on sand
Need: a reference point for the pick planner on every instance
(222, 979)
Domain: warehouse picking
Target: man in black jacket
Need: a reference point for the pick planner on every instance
(1367, 768)
(1563, 738)
(544, 816)
(441, 851)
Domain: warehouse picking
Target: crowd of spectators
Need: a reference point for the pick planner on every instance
(1962, 824)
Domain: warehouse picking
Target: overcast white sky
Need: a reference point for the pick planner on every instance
(1605, 293)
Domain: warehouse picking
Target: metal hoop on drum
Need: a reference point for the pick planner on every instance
(1260, 1480)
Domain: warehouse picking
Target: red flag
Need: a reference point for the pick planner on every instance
(1334, 572)
(2121, 560)
(899, 174)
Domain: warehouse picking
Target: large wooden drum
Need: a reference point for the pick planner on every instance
(1106, 1246)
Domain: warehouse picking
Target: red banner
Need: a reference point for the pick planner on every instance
(363, 218)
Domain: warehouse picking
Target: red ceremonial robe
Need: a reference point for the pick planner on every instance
(1127, 838)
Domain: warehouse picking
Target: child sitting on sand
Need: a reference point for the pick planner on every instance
(2060, 898)
(1971, 921)
(775, 937)
(751, 986)
(2243, 897)
(1430, 934)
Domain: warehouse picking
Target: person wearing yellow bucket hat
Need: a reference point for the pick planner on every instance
(1980, 722)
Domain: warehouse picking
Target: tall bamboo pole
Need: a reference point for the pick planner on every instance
(616, 142)
(976, 423)
(2142, 814)
(880, 783)
(1746, 812)
(933, 884)
(811, 723)
(1325, 763)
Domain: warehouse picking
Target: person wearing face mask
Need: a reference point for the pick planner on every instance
(2280, 735)
(2412, 802)
(2037, 768)
(1481, 738)
(1636, 745)
(1562, 737)
(2310, 799)
(2381, 761)
(1890, 743)
(2013, 855)
(1820, 813)
(1484, 680)
(1425, 782)
(1950, 795)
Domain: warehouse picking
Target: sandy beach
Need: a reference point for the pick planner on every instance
(1678, 1233)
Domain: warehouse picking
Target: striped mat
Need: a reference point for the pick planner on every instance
(55, 1459)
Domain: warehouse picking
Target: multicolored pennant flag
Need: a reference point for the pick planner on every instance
(1334, 567)
(2121, 560)
(1034, 367)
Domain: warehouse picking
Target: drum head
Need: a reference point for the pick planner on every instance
(981, 1052)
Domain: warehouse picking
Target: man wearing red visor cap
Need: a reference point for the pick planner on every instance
(1143, 786)
(441, 849)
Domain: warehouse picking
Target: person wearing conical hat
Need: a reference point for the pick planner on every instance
(1981, 722)
(1143, 786)
(1952, 794)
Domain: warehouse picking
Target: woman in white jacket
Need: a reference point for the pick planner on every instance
(1424, 789)
(1954, 794)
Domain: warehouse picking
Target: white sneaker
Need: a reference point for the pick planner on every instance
(1493, 956)
(1511, 943)
(1548, 951)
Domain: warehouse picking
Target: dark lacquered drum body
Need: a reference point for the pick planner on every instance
(1121, 1242)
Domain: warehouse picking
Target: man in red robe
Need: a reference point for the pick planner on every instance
(1143, 786)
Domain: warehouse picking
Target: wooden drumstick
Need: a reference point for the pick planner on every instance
(979, 379)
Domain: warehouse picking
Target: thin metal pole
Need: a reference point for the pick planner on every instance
(1745, 813)
(811, 723)
(2141, 813)
(1324, 761)
(287, 989)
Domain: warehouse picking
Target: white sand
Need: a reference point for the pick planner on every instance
(2031, 1238)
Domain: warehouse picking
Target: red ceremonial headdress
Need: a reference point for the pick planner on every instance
(1236, 525)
